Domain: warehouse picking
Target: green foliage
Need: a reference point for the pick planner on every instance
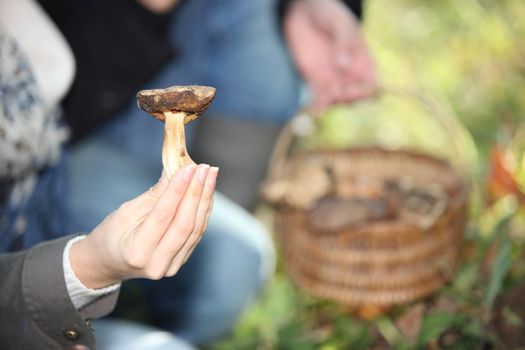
(466, 278)
(499, 270)
(391, 334)
(468, 53)
(436, 324)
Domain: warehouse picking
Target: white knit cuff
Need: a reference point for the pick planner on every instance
(79, 294)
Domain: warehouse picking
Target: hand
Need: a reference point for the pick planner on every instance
(159, 6)
(330, 52)
(150, 236)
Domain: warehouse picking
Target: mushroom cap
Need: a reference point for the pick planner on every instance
(192, 99)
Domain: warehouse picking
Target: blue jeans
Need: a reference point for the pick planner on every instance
(235, 46)
(123, 335)
(35, 209)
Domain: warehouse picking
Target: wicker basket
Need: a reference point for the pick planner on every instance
(404, 251)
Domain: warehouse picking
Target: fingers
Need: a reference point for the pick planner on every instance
(184, 222)
(161, 215)
(204, 210)
(200, 237)
(324, 96)
(358, 82)
(201, 222)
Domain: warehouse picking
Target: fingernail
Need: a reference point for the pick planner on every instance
(214, 171)
(202, 172)
(188, 172)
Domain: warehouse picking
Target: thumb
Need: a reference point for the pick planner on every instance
(161, 185)
(141, 205)
(150, 197)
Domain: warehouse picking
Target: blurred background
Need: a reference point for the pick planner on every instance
(467, 59)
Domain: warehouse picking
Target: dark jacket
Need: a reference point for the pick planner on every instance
(35, 309)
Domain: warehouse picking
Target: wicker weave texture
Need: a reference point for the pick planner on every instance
(382, 262)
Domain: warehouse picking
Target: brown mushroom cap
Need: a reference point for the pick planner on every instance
(192, 99)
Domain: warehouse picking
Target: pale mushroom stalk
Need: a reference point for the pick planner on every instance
(174, 153)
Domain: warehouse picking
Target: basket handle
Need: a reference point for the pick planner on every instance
(443, 115)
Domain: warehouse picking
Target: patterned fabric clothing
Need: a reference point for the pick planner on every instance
(30, 136)
(31, 164)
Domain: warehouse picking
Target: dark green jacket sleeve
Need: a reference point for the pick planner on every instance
(35, 309)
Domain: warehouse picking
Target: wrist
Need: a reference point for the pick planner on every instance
(89, 267)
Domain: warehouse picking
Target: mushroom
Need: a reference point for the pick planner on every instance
(301, 186)
(176, 106)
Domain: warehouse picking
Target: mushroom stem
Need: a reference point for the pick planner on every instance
(174, 153)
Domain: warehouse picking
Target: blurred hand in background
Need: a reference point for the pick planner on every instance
(326, 43)
(159, 6)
